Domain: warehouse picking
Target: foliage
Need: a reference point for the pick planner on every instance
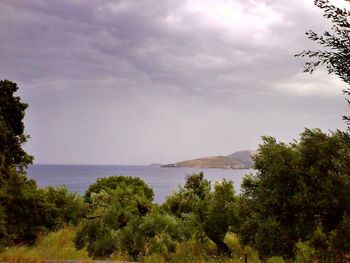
(12, 135)
(331, 234)
(297, 189)
(124, 220)
(109, 184)
(28, 210)
(24, 208)
(304, 252)
(221, 214)
(275, 260)
(336, 43)
(340, 238)
(205, 213)
(65, 207)
(159, 233)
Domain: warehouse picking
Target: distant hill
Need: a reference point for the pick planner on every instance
(237, 160)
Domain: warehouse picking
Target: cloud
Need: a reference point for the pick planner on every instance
(316, 84)
(186, 67)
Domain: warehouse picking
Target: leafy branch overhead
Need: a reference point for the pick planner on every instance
(336, 55)
(337, 43)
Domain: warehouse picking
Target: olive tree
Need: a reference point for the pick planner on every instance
(123, 219)
(298, 189)
(205, 213)
(336, 45)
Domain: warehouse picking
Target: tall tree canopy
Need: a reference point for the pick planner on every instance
(12, 136)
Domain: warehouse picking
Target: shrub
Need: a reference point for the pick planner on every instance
(110, 183)
(205, 213)
(123, 220)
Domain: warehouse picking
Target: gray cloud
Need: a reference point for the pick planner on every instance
(145, 81)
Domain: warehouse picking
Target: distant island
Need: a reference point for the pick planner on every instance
(237, 160)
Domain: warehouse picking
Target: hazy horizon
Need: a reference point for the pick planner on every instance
(142, 82)
(137, 164)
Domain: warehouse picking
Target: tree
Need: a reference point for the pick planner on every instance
(111, 183)
(269, 201)
(336, 55)
(205, 214)
(25, 209)
(221, 215)
(63, 207)
(18, 198)
(124, 220)
(111, 224)
(298, 188)
(12, 136)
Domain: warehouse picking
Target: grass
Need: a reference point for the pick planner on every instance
(55, 245)
(205, 252)
(59, 246)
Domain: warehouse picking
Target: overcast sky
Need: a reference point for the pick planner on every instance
(159, 81)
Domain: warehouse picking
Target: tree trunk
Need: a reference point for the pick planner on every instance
(222, 247)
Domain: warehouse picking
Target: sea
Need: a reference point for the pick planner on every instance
(164, 181)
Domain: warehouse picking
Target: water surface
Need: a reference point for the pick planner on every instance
(164, 181)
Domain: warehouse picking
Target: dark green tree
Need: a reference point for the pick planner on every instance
(108, 184)
(205, 214)
(298, 188)
(113, 221)
(124, 220)
(221, 214)
(63, 207)
(159, 233)
(269, 200)
(12, 136)
(336, 53)
(26, 210)
(340, 238)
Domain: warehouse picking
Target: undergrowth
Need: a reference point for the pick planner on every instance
(53, 246)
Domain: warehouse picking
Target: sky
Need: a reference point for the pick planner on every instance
(147, 81)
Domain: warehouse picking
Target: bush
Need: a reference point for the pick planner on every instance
(26, 210)
(304, 252)
(65, 207)
(120, 220)
(24, 207)
(205, 213)
(111, 183)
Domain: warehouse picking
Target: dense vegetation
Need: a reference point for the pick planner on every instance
(295, 206)
(300, 191)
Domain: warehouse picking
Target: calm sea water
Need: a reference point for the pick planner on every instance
(164, 181)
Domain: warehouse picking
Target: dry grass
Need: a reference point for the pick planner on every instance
(54, 246)
(59, 246)
(199, 252)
